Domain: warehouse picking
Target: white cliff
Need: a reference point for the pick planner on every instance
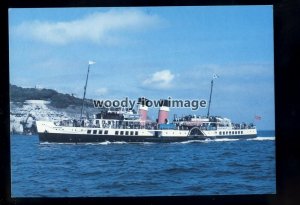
(24, 115)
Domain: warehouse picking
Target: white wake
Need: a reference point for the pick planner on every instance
(262, 138)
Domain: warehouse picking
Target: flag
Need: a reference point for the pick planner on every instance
(257, 117)
(91, 62)
(215, 76)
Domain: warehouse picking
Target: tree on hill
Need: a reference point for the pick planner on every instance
(58, 100)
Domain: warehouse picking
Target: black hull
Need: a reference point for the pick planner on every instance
(79, 138)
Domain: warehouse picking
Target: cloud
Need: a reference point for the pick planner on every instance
(99, 27)
(101, 91)
(161, 79)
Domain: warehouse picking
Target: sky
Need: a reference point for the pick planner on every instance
(153, 52)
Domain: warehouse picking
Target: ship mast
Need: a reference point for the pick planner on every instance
(87, 77)
(211, 89)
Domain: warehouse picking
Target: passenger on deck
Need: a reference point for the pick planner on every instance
(74, 123)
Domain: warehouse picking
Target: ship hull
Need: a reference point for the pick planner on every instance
(83, 138)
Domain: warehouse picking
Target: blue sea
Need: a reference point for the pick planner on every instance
(210, 167)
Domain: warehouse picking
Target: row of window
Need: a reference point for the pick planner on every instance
(126, 133)
(100, 132)
(230, 133)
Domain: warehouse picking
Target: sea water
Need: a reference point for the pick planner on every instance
(210, 167)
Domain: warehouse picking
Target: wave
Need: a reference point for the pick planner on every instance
(145, 143)
(106, 143)
(82, 143)
(149, 143)
(177, 170)
(117, 142)
(224, 140)
(262, 138)
(206, 141)
(188, 142)
(220, 140)
(95, 143)
(55, 143)
(45, 143)
(231, 139)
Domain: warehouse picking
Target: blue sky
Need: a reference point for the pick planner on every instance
(154, 52)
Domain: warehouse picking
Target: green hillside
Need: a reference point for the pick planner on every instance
(58, 100)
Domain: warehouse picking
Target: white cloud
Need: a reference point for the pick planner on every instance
(161, 79)
(101, 91)
(100, 27)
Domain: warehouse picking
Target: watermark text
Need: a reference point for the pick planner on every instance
(169, 102)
